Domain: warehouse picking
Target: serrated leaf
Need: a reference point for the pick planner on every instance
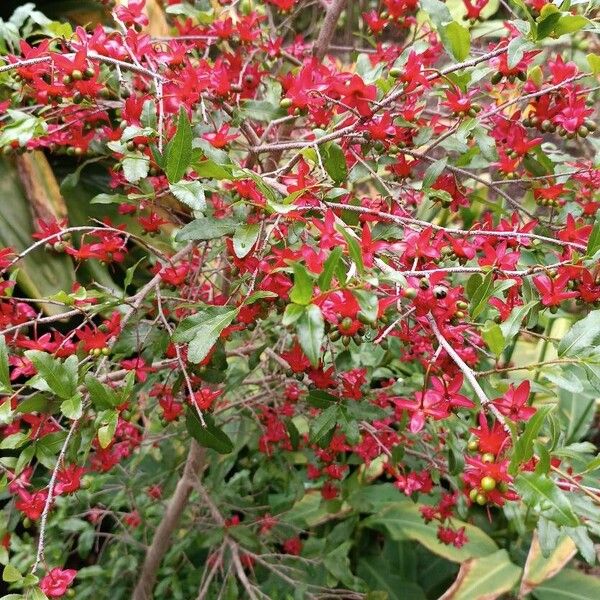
(202, 330)
(136, 167)
(190, 193)
(60, 377)
(334, 162)
(102, 396)
(323, 424)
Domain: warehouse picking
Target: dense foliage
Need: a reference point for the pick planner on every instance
(299, 299)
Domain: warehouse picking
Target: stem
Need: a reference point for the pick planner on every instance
(162, 536)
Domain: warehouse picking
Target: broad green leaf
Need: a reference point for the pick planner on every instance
(576, 413)
(538, 568)
(459, 40)
(41, 273)
(570, 24)
(244, 238)
(494, 573)
(179, 149)
(210, 436)
(379, 576)
(569, 584)
(60, 377)
(582, 335)
(538, 490)
(190, 193)
(302, 290)
(402, 519)
(311, 331)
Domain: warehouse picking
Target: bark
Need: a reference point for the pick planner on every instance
(162, 536)
(328, 28)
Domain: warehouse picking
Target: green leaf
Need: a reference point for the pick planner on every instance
(109, 199)
(334, 162)
(190, 193)
(179, 150)
(106, 431)
(593, 244)
(570, 24)
(206, 228)
(493, 337)
(539, 491)
(244, 238)
(495, 574)
(302, 291)
(402, 519)
(323, 424)
(369, 304)
(569, 584)
(206, 331)
(434, 170)
(516, 49)
(311, 331)
(72, 408)
(10, 574)
(511, 326)
(481, 295)
(5, 384)
(136, 167)
(459, 40)
(329, 269)
(594, 62)
(210, 436)
(582, 335)
(524, 447)
(353, 249)
(292, 313)
(60, 377)
(102, 396)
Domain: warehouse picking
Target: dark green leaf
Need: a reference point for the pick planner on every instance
(179, 150)
(302, 291)
(311, 331)
(210, 436)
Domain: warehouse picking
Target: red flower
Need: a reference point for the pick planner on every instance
(514, 403)
(55, 583)
(68, 479)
